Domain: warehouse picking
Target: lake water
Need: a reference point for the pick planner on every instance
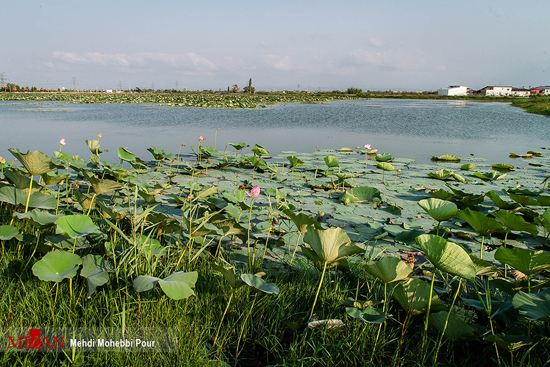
(414, 129)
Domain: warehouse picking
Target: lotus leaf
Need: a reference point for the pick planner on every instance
(75, 226)
(525, 285)
(511, 343)
(408, 237)
(260, 284)
(176, 286)
(66, 243)
(535, 153)
(385, 166)
(302, 221)
(442, 174)
(8, 232)
(126, 155)
(479, 222)
(438, 209)
(495, 198)
(514, 222)
(22, 182)
(294, 161)
(467, 166)
(455, 329)
(56, 266)
(503, 167)
(413, 295)
(329, 246)
(159, 154)
(527, 261)
(94, 145)
(96, 271)
(228, 273)
(446, 158)
(389, 269)
(533, 306)
(39, 218)
(483, 267)
(331, 161)
(102, 186)
(50, 178)
(369, 314)
(259, 150)
(35, 162)
(447, 256)
(239, 146)
(361, 195)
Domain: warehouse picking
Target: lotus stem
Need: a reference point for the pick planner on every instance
(424, 336)
(248, 232)
(223, 316)
(29, 194)
(244, 324)
(318, 289)
(447, 321)
(215, 136)
(481, 249)
(91, 204)
(295, 248)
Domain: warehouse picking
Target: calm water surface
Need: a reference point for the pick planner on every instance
(414, 129)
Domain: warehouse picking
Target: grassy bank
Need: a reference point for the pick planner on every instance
(436, 264)
(539, 105)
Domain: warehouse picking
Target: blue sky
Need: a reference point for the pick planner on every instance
(327, 45)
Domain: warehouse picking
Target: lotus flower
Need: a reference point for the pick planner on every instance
(367, 146)
(201, 138)
(254, 192)
(99, 135)
(62, 141)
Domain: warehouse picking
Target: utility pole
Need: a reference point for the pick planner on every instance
(74, 84)
(2, 79)
(153, 86)
(177, 85)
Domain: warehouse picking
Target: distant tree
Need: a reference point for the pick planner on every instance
(235, 88)
(249, 88)
(353, 90)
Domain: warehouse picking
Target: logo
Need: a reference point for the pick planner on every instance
(35, 340)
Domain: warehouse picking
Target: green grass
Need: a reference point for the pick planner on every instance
(539, 105)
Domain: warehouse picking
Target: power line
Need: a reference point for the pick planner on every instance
(2, 79)
(74, 83)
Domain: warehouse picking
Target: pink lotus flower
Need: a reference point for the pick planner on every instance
(3, 160)
(201, 138)
(254, 192)
(62, 141)
(367, 146)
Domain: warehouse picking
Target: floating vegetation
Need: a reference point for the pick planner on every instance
(256, 247)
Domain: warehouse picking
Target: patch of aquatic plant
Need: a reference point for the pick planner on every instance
(294, 247)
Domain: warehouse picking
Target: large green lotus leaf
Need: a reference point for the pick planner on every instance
(164, 222)
(368, 314)
(75, 226)
(408, 237)
(144, 283)
(35, 162)
(543, 220)
(456, 327)
(93, 145)
(51, 178)
(126, 155)
(515, 222)
(438, 209)
(56, 266)
(239, 146)
(96, 271)
(533, 306)
(479, 222)
(14, 196)
(294, 161)
(385, 166)
(114, 213)
(446, 158)
(330, 245)
(523, 199)
(102, 186)
(8, 232)
(503, 167)
(179, 285)
(512, 287)
(495, 198)
(206, 192)
(511, 343)
(228, 273)
(260, 284)
(447, 256)
(39, 200)
(442, 174)
(527, 261)
(361, 195)
(413, 295)
(39, 218)
(21, 182)
(384, 157)
(483, 267)
(331, 161)
(467, 166)
(66, 243)
(159, 154)
(259, 150)
(389, 269)
(302, 221)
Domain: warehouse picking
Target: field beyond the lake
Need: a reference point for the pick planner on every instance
(333, 257)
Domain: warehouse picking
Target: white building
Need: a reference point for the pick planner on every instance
(520, 92)
(496, 91)
(453, 90)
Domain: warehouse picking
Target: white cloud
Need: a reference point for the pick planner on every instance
(68, 57)
(375, 42)
(284, 63)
